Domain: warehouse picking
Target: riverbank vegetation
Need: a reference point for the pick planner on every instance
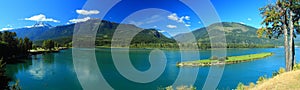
(184, 87)
(224, 60)
(281, 80)
(4, 80)
(13, 47)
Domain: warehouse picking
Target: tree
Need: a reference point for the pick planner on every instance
(3, 78)
(48, 44)
(278, 19)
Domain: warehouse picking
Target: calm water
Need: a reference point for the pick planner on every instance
(55, 71)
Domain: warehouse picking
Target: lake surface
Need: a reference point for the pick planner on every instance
(55, 71)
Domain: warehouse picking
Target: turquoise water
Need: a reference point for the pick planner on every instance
(55, 71)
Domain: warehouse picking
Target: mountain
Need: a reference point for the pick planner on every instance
(235, 33)
(32, 32)
(64, 33)
(41, 24)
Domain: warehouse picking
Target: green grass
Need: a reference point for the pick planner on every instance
(229, 60)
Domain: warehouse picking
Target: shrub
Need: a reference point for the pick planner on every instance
(169, 88)
(281, 70)
(251, 85)
(296, 67)
(223, 59)
(240, 86)
(261, 79)
(214, 58)
(184, 87)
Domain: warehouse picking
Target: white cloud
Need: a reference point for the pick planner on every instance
(249, 19)
(188, 25)
(171, 26)
(87, 12)
(176, 18)
(5, 29)
(173, 17)
(187, 17)
(79, 20)
(199, 22)
(41, 18)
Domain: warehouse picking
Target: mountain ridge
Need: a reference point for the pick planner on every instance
(235, 33)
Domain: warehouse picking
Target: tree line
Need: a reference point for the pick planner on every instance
(13, 47)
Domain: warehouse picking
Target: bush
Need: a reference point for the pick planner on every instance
(223, 59)
(184, 87)
(261, 79)
(251, 85)
(296, 67)
(281, 70)
(214, 58)
(240, 86)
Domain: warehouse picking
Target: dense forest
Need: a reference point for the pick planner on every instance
(13, 47)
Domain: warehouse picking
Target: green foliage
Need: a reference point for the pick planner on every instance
(261, 79)
(223, 59)
(3, 78)
(184, 87)
(240, 86)
(213, 58)
(13, 47)
(251, 85)
(49, 44)
(296, 67)
(280, 71)
(15, 86)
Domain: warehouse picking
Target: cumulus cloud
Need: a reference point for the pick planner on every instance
(41, 18)
(5, 29)
(87, 12)
(173, 17)
(176, 18)
(80, 20)
(171, 26)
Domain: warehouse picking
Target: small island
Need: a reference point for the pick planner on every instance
(225, 60)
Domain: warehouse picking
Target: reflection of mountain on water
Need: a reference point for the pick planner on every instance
(41, 66)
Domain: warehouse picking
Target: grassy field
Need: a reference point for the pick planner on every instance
(226, 60)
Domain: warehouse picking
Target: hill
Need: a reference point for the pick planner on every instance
(235, 33)
(285, 81)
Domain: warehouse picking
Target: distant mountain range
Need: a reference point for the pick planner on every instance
(236, 33)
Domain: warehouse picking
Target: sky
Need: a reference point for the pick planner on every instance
(165, 15)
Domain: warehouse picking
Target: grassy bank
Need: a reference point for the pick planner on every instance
(225, 60)
(280, 80)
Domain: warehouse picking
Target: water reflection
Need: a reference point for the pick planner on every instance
(41, 66)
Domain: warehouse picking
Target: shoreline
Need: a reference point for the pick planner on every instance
(228, 60)
(41, 51)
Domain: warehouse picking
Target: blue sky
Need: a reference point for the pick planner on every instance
(168, 15)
